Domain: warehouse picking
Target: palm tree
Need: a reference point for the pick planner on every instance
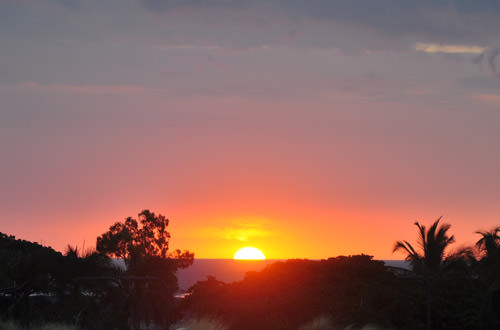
(432, 244)
(489, 244)
(429, 259)
(489, 271)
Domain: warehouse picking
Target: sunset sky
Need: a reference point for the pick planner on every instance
(304, 128)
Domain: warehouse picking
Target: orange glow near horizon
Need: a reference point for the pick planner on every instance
(277, 231)
(249, 253)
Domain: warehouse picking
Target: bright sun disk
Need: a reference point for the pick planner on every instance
(249, 253)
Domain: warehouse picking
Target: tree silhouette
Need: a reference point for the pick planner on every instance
(432, 244)
(489, 244)
(429, 259)
(489, 264)
(489, 271)
(25, 268)
(145, 239)
(144, 246)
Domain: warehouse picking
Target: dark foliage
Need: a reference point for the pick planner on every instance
(432, 244)
(151, 283)
(353, 290)
(134, 240)
(38, 284)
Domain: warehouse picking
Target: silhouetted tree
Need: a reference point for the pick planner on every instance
(135, 239)
(489, 245)
(432, 244)
(144, 246)
(429, 259)
(25, 268)
(489, 271)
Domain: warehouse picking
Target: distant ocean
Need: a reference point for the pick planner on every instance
(229, 270)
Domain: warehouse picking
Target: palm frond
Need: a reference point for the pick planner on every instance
(432, 243)
(422, 241)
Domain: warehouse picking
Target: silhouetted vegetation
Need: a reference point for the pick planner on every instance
(151, 283)
(353, 290)
(429, 261)
(87, 290)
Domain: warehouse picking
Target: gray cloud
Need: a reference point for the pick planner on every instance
(96, 43)
(432, 21)
(165, 5)
(349, 26)
(490, 56)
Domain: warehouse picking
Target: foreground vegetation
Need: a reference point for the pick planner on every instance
(46, 326)
(41, 288)
(87, 289)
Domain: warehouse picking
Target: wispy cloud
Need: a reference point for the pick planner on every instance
(459, 23)
(450, 49)
(240, 232)
(78, 89)
(192, 46)
(490, 99)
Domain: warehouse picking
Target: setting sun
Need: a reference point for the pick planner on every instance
(249, 253)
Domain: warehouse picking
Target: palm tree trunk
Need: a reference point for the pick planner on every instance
(428, 303)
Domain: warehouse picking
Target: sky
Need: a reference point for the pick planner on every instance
(307, 129)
